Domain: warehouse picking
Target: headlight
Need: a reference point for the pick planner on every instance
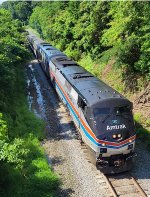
(114, 136)
(130, 146)
(119, 135)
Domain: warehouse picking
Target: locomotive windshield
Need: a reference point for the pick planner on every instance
(112, 117)
(122, 110)
(101, 111)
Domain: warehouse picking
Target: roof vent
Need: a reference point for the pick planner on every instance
(45, 45)
(66, 65)
(82, 76)
(63, 59)
(49, 49)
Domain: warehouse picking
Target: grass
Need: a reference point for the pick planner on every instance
(114, 79)
(34, 177)
(142, 129)
(90, 65)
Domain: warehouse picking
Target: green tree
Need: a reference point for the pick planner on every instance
(20, 9)
(128, 34)
(12, 53)
(11, 152)
(74, 27)
(101, 30)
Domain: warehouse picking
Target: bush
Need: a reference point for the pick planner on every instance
(23, 166)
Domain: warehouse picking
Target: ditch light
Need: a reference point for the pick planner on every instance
(130, 146)
(103, 150)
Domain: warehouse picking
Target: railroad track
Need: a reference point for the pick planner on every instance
(124, 185)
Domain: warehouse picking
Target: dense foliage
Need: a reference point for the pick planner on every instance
(20, 9)
(12, 53)
(128, 34)
(23, 166)
(105, 31)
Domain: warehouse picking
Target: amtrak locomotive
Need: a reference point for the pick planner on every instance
(103, 116)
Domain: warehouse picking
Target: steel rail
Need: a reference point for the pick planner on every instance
(136, 184)
(113, 191)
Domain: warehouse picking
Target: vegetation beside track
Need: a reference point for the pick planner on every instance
(24, 170)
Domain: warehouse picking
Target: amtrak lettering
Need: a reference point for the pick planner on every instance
(116, 127)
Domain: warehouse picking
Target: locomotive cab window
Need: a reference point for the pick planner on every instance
(123, 110)
(101, 114)
(101, 111)
(82, 104)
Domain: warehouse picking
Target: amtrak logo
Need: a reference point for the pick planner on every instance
(114, 121)
(122, 126)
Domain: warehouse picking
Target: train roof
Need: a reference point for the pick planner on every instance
(53, 52)
(31, 37)
(34, 39)
(45, 46)
(48, 49)
(37, 42)
(86, 84)
(66, 65)
(95, 91)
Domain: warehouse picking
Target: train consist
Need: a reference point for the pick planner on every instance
(103, 116)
